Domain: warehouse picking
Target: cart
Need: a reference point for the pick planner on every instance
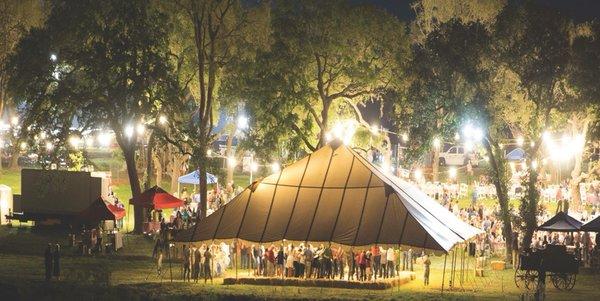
(561, 268)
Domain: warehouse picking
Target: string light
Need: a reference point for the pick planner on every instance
(104, 139)
(275, 167)
(452, 172)
(140, 128)
(129, 131)
(75, 141)
(231, 161)
(520, 141)
(418, 173)
(436, 142)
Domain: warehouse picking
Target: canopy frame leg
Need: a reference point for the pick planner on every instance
(444, 272)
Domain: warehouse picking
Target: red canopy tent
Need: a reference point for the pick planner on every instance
(156, 198)
(101, 210)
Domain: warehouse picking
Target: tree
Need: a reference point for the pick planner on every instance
(534, 42)
(16, 18)
(325, 59)
(584, 79)
(455, 83)
(208, 37)
(108, 69)
(430, 14)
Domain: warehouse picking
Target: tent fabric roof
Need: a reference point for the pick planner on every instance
(561, 222)
(592, 226)
(100, 210)
(194, 178)
(334, 195)
(156, 198)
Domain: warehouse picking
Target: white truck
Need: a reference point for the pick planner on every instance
(456, 155)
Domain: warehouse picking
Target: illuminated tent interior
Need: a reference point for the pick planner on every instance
(334, 195)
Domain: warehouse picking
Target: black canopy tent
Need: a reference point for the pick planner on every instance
(592, 226)
(561, 222)
(334, 195)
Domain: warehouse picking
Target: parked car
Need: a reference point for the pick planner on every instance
(456, 155)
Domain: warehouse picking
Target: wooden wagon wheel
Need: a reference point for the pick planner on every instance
(562, 281)
(531, 281)
(520, 277)
(571, 278)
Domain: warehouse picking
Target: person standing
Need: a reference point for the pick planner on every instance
(327, 257)
(197, 255)
(426, 266)
(362, 263)
(48, 261)
(56, 262)
(308, 258)
(391, 262)
(186, 263)
(207, 265)
(383, 262)
(376, 256)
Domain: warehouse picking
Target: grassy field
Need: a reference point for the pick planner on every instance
(123, 276)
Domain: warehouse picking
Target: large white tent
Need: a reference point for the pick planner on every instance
(334, 195)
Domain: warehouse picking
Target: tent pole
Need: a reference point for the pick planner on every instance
(236, 259)
(169, 254)
(444, 272)
(462, 267)
(454, 261)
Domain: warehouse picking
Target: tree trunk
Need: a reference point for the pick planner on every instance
(134, 183)
(499, 178)
(229, 152)
(149, 152)
(158, 168)
(14, 157)
(324, 121)
(435, 164)
(577, 128)
(201, 163)
(529, 205)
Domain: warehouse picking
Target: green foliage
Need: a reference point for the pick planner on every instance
(324, 57)
(76, 161)
(448, 73)
(110, 70)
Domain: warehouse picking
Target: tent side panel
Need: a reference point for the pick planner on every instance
(257, 212)
(303, 213)
(326, 215)
(280, 213)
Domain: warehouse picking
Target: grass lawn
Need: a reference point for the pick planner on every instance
(124, 277)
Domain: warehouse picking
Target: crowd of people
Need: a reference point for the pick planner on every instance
(326, 262)
(302, 261)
